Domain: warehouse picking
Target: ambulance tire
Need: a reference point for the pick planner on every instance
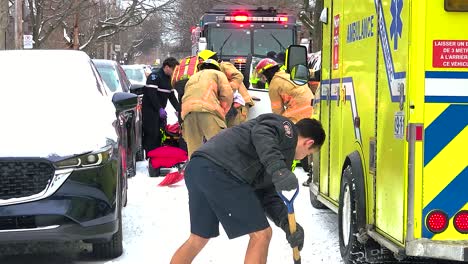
(352, 251)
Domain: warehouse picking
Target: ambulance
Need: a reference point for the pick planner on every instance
(394, 104)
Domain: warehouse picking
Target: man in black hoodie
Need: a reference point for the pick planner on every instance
(233, 179)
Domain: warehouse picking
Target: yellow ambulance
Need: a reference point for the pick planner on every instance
(394, 105)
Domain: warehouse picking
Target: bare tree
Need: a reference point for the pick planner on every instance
(98, 19)
(4, 14)
(132, 16)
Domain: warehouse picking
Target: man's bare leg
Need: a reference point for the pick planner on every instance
(189, 250)
(257, 251)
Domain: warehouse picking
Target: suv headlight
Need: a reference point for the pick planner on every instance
(90, 159)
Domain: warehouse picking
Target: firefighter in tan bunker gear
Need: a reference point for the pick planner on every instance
(287, 98)
(236, 80)
(207, 98)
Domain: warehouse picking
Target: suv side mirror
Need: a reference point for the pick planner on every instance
(124, 101)
(300, 75)
(295, 55)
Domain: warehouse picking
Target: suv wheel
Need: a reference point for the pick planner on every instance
(113, 248)
(140, 155)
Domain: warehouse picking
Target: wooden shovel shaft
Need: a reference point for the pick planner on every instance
(292, 229)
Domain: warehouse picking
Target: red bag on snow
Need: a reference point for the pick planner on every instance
(166, 157)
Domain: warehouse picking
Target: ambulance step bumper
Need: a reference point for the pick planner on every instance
(448, 250)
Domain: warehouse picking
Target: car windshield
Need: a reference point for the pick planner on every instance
(134, 74)
(110, 77)
(236, 41)
(277, 40)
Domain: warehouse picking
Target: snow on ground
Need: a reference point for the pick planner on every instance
(156, 222)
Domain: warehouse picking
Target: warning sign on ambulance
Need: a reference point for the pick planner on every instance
(450, 54)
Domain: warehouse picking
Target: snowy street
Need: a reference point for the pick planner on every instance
(156, 223)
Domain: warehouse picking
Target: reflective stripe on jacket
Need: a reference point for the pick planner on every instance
(207, 91)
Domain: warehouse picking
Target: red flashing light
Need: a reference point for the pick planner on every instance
(283, 19)
(240, 60)
(192, 29)
(437, 221)
(460, 222)
(242, 18)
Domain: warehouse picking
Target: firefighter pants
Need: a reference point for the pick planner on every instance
(241, 117)
(198, 127)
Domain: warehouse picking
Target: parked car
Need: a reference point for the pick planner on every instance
(62, 151)
(117, 81)
(135, 73)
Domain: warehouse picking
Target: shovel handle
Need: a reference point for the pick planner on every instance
(292, 229)
(292, 222)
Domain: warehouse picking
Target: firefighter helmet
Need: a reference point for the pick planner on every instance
(206, 54)
(264, 65)
(209, 64)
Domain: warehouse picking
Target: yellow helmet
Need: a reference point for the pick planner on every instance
(208, 63)
(206, 54)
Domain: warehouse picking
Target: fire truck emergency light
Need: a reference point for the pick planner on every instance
(245, 18)
(240, 18)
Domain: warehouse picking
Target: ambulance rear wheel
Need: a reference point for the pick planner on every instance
(351, 250)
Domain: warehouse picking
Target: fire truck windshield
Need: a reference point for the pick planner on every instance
(276, 40)
(238, 41)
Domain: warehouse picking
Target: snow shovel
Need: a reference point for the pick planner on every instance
(174, 177)
(292, 222)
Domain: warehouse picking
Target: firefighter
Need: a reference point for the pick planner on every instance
(287, 98)
(236, 80)
(242, 194)
(155, 95)
(207, 98)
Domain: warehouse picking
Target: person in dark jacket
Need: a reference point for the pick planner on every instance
(233, 179)
(155, 95)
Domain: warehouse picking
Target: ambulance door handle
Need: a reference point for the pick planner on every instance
(401, 90)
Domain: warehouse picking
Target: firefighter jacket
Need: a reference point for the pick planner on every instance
(288, 99)
(236, 80)
(207, 91)
(161, 83)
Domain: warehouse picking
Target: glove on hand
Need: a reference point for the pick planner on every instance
(297, 238)
(162, 113)
(284, 180)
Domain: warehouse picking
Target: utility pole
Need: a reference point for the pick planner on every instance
(4, 14)
(76, 29)
(18, 24)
